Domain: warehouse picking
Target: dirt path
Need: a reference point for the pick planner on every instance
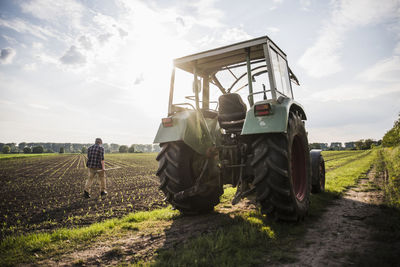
(346, 234)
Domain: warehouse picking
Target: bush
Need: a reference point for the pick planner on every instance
(84, 150)
(6, 149)
(131, 149)
(392, 137)
(27, 150)
(123, 149)
(37, 149)
(61, 150)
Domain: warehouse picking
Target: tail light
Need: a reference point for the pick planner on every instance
(262, 109)
(167, 122)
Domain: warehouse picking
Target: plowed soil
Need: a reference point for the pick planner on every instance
(44, 193)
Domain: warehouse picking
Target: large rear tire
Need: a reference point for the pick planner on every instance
(179, 167)
(282, 172)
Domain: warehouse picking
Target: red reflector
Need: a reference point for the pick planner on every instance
(167, 122)
(262, 110)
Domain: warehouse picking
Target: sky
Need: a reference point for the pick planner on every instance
(71, 71)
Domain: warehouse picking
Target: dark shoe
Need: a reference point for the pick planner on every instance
(86, 194)
(103, 193)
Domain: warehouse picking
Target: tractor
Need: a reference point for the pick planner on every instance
(232, 120)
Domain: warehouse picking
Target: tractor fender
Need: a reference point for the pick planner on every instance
(276, 122)
(315, 155)
(192, 128)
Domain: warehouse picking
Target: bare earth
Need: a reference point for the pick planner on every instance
(343, 231)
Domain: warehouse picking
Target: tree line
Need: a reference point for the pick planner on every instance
(362, 144)
(27, 148)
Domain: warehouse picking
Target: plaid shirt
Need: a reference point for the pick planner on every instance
(95, 156)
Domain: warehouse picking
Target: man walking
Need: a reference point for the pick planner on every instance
(95, 163)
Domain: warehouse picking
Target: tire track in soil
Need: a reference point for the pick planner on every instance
(343, 230)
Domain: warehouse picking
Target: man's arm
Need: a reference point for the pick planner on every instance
(102, 159)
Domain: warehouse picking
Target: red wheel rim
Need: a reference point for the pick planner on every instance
(298, 168)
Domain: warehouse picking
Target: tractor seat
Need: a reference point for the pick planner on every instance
(231, 112)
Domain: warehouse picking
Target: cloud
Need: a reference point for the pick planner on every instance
(104, 38)
(232, 35)
(23, 26)
(73, 57)
(323, 58)
(10, 40)
(180, 21)
(273, 30)
(7, 55)
(305, 4)
(387, 70)
(57, 12)
(37, 106)
(122, 33)
(30, 67)
(85, 42)
(139, 79)
(352, 91)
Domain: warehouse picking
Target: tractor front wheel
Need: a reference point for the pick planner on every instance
(180, 167)
(282, 173)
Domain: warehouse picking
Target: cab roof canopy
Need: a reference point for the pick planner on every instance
(213, 60)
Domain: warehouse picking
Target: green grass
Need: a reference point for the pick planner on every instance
(342, 178)
(388, 165)
(12, 156)
(246, 239)
(32, 247)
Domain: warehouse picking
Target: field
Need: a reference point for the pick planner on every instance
(42, 200)
(45, 192)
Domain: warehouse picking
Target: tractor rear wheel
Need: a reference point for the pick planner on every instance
(179, 168)
(282, 173)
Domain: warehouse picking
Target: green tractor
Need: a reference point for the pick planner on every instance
(242, 127)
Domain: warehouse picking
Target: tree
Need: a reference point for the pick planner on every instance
(314, 146)
(131, 149)
(368, 143)
(114, 147)
(392, 137)
(359, 144)
(37, 149)
(6, 149)
(27, 150)
(84, 150)
(13, 147)
(106, 148)
(61, 151)
(123, 149)
(21, 146)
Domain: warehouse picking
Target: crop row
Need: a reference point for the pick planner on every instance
(46, 193)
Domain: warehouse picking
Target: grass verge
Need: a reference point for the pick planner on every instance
(33, 247)
(388, 166)
(13, 156)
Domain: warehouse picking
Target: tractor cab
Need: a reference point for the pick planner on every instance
(252, 71)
